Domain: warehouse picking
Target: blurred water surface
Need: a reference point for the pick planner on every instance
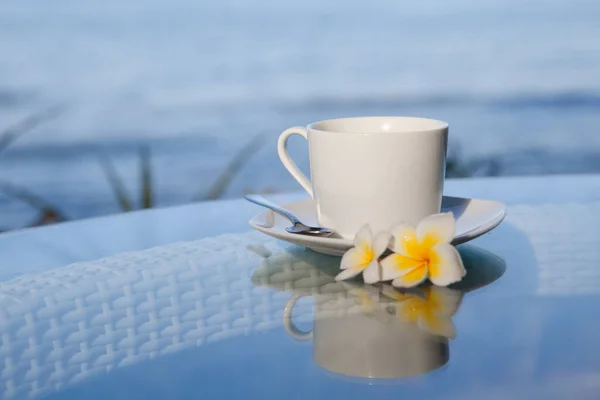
(518, 81)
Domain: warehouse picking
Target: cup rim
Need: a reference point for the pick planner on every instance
(435, 125)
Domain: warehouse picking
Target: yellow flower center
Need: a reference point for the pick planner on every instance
(367, 256)
(421, 250)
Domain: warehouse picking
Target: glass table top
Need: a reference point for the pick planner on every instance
(246, 316)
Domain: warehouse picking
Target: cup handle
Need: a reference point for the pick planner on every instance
(287, 161)
(288, 324)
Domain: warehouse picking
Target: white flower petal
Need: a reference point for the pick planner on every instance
(396, 265)
(405, 240)
(372, 273)
(363, 239)
(352, 258)
(436, 228)
(381, 243)
(445, 265)
(411, 279)
(348, 273)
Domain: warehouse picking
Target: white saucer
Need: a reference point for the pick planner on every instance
(474, 217)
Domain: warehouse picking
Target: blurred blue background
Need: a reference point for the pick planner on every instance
(205, 87)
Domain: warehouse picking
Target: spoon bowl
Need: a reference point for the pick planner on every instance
(302, 229)
(297, 227)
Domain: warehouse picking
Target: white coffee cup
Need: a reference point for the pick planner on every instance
(375, 170)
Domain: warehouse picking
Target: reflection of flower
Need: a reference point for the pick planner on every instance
(369, 299)
(424, 252)
(430, 308)
(364, 256)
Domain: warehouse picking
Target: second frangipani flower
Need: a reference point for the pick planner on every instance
(364, 256)
(424, 253)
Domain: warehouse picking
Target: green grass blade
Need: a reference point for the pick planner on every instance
(232, 169)
(48, 212)
(146, 171)
(116, 184)
(10, 134)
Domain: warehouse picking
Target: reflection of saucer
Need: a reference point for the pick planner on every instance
(307, 273)
(474, 217)
(373, 332)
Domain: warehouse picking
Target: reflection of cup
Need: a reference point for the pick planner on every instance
(373, 331)
(365, 345)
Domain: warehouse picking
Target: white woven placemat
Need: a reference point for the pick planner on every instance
(65, 324)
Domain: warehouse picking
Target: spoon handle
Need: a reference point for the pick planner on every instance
(261, 201)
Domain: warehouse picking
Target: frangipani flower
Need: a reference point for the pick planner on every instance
(364, 256)
(432, 312)
(424, 253)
